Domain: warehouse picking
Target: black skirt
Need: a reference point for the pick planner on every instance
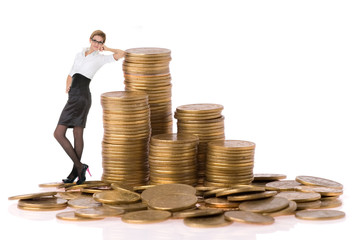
(78, 105)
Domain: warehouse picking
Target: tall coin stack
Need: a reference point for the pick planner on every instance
(172, 159)
(147, 70)
(205, 121)
(126, 122)
(229, 162)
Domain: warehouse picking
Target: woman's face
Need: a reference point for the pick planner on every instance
(96, 43)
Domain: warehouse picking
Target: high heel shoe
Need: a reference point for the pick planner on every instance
(69, 180)
(82, 176)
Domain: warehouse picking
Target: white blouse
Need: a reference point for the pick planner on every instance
(89, 65)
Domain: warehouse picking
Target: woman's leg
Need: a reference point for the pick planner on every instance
(78, 147)
(59, 135)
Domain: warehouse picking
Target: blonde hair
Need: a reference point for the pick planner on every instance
(99, 33)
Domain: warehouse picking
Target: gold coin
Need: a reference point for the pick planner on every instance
(98, 212)
(32, 195)
(70, 216)
(117, 196)
(49, 185)
(232, 145)
(83, 202)
(129, 207)
(319, 214)
(202, 107)
(142, 188)
(69, 195)
(308, 205)
(41, 209)
(330, 203)
(271, 204)
(290, 210)
(317, 181)
(124, 96)
(173, 202)
(220, 203)
(197, 213)
(283, 185)
(248, 217)
(148, 51)
(164, 189)
(252, 196)
(43, 202)
(324, 191)
(299, 196)
(207, 222)
(268, 177)
(146, 216)
(174, 138)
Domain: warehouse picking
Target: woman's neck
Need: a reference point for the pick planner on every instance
(89, 51)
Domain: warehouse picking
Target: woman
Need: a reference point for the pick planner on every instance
(75, 112)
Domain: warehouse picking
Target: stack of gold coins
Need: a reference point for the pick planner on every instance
(172, 159)
(206, 122)
(147, 70)
(126, 122)
(229, 162)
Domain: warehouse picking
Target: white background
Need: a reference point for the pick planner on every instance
(281, 69)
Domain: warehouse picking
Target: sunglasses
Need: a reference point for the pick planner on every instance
(95, 41)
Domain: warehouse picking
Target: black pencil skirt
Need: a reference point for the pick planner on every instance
(79, 102)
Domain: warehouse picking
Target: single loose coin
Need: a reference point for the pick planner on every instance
(197, 213)
(164, 189)
(283, 185)
(319, 214)
(271, 204)
(248, 217)
(117, 196)
(324, 191)
(252, 196)
(239, 190)
(83, 202)
(317, 181)
(98, 212)
(146, 216)
(69, 195)
(330, 203)
(49, 185)
(268, 177)
(70, 216)
(129, 207)
(32, 195)
(207, 222)
(286, 211)
(308, 205)
(220, 203)
(173, 202)
(44, 202)
(300, 196)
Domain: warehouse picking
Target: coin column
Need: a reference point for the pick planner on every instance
(126, 122)
(204, 121)
(172, 159)
(229, 162)
(147, 70)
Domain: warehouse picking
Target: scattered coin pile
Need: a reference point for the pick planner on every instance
(172, 159)
(200, 206)
(147, 70)
(229, 162)
(204, 121)
(126, 121)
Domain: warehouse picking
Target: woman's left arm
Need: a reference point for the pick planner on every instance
(117, 53)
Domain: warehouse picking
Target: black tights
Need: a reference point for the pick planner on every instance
(75, 152)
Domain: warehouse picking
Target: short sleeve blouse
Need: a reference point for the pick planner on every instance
(89, 65)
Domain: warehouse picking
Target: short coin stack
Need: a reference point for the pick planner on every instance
(229, 162)
(172, 159)
(147, 70)
(126, 121)
(205, 121)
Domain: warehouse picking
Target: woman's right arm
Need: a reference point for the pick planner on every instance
(68, 83)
